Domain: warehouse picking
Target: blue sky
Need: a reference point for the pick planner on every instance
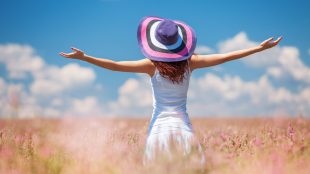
(107, 28)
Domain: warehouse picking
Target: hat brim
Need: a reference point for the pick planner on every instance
(152, 49)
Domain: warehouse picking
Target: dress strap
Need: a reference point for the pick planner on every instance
(189, 68)
(154, 73)
(156, 70)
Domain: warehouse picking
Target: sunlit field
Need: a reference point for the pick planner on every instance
(96, 145)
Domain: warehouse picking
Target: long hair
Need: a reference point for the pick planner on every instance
(174, 71)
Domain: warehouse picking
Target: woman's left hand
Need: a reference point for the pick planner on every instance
(269, 43)
(76, 54)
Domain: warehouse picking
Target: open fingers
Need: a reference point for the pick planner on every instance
(270, 39)
(75, 49)
(278, 40)
(64, 54)
(267, 41)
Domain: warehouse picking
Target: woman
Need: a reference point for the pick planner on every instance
(169, 47)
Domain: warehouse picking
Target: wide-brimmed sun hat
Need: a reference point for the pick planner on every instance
(166, 40)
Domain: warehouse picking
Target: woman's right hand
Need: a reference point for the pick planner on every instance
(76, 54)
(269, 43)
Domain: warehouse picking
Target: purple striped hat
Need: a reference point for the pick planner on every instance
(166, 40)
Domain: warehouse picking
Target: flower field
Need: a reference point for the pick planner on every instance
(96, 145)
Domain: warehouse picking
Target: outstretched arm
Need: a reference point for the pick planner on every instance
(201, 61)
(139, 66)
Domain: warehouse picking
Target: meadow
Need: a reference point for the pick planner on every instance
(277, 145)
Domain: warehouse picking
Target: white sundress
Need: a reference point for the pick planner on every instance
(170, 118)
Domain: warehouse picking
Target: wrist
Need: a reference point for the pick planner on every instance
(259, 48)
(84, 57)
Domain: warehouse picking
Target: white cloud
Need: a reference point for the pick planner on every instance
(213, 95)
(241, 41)
(20, 60)
(2, 86)
(290, 62)
(233, 96)
(47, 83)
(134, 98)
(15, 102)
(202, 49)
(276, 72)
(280, 61)
(57, 102)
(54, 79)
(89, 106)
(209, 95)
(48, 79)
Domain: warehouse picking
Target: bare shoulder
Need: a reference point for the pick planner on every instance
(193, 60)
(150, 67)
(147, 62)
(202, 61)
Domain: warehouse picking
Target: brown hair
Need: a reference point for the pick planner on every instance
(174, 71)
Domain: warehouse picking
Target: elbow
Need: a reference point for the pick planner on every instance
(114, 66)
(222, 58)
(225, 58)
